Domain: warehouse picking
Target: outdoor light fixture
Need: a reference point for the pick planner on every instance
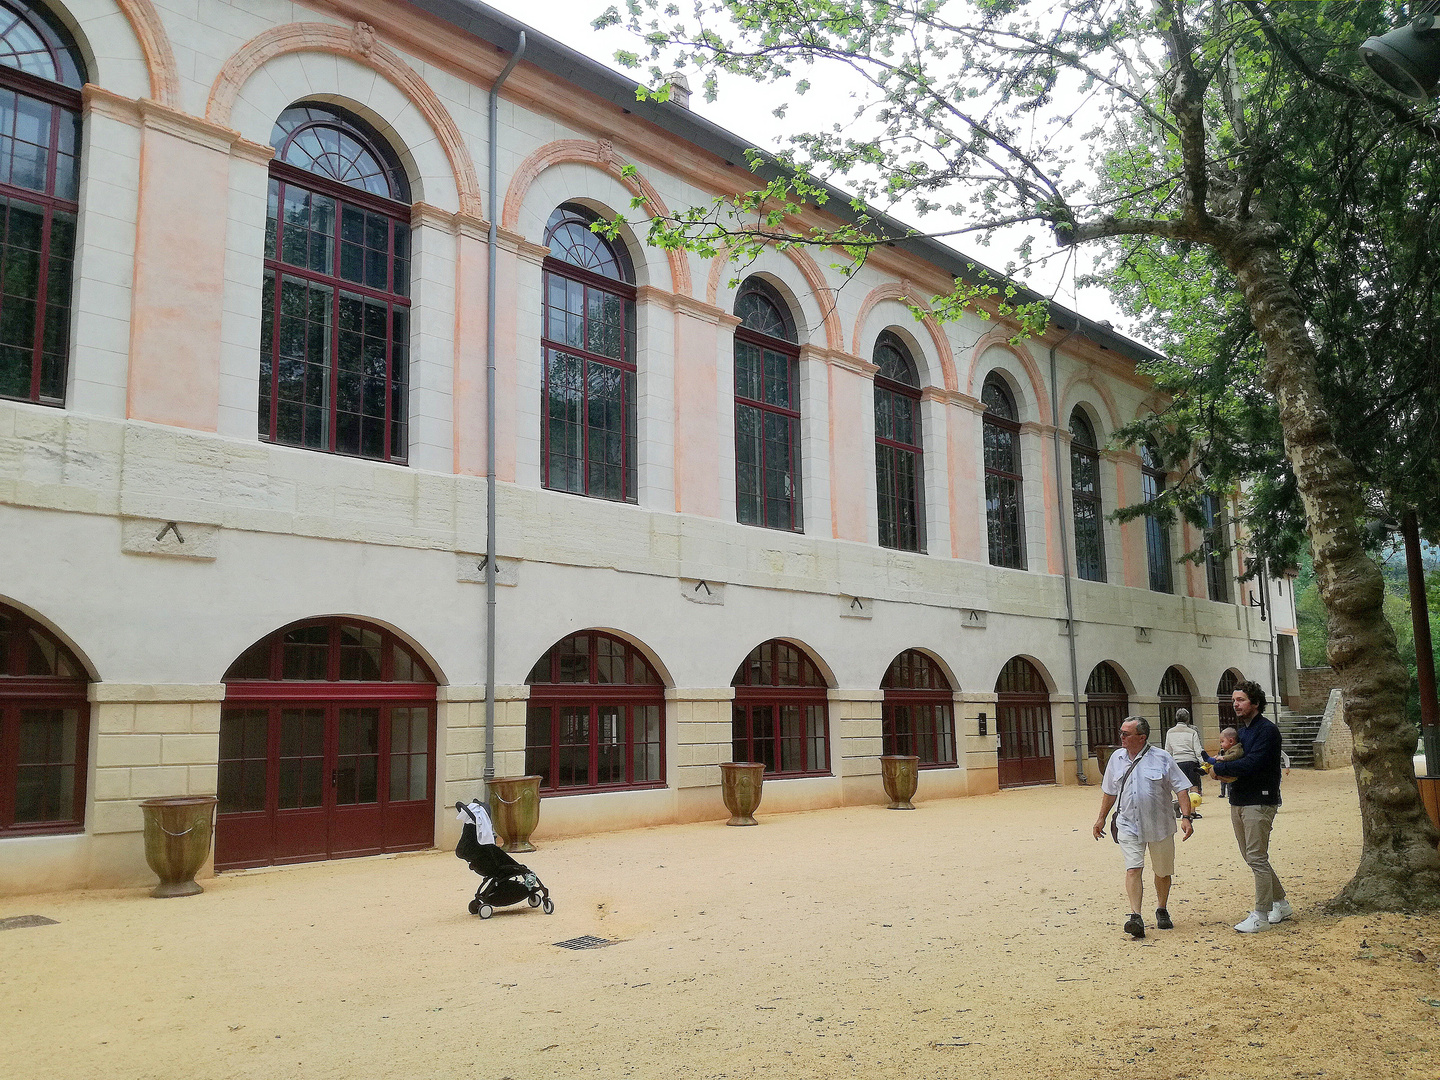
(1407, 59)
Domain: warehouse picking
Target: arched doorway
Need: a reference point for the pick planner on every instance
(44, 730)
(1106, 705)
(596, 717)
(918, 716)
(327, 747)
(1174, 695)
(1022, 718)
(1228, 682)
(781, 714)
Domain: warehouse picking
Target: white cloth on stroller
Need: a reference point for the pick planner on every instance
(478, 814)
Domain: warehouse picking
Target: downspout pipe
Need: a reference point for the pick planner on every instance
(1065, 554)
(490, 517)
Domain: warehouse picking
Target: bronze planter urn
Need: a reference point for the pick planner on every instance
(740, 783)
(178, 832)
(515, 810)
(1102, 755)
(901, 774)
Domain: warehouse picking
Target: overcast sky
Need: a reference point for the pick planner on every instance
(745, 109)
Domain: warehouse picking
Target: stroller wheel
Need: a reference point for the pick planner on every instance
(486, 911)
(474, 907)
(534, 899)
(549, 907)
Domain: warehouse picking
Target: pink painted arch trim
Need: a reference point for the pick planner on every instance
(322, 37)
(897, 291)
(602, 155)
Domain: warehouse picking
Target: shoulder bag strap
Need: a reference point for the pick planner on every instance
(1115, 816)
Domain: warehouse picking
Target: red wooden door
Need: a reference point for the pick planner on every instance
(1022, 718)
(327, 781)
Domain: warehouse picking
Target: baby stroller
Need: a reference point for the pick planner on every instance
(503, 881)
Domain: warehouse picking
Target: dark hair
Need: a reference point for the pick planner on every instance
(1141, 724)
(1252, 691)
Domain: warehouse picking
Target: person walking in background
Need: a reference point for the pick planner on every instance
(1139, 783)
(1254, 780)
(1182, 742)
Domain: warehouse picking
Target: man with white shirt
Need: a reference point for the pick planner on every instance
(1141, 779)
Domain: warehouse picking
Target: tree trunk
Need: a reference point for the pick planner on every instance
(1399, 867)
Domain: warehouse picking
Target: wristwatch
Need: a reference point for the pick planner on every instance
(1187, 817)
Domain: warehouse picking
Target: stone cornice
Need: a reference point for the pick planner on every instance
(147, 114)
(958, 398)
(838, 359)
(649, 294)
(459, 223)
(1122, 457)
(153, 693)
(1034, 427)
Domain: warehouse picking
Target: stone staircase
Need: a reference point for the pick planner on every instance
(1297, 737)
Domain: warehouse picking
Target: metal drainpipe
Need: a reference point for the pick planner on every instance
(1065, 553)
(490, 528)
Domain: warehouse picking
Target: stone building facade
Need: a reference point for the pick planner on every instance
(761, 511)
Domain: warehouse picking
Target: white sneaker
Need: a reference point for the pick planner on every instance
(1253, 924)
(1280, 912)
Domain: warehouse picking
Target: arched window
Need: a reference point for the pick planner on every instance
(1217, 569)
(589, 344)
(1106, 705)
(40, 79)
(1022, 720)
(767, 410)
(918, 716)
(1004, 493)
(1157, 533)
(899, 473)
(1085, 499)
(781, 712)
(596, 716)
(44, 730)
(1224, 701)
(335, 311)
(327, 747)
(1174, 694)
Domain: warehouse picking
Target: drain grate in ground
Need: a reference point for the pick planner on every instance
(17, 921)
(589, 941)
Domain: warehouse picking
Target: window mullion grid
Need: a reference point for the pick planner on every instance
(37, 350)
(9, 761)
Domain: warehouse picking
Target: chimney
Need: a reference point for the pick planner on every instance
(679, 89)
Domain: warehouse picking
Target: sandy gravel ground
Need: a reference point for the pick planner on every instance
(972, 938)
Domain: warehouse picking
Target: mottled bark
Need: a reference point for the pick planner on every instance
(1399, 867)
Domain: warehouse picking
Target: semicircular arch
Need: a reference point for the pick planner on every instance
(599, 155)
(382, 101)
(862, 340)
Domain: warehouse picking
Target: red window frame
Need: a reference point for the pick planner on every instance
(894, 506)
(1006, 531)
(1175, 694)
(918, 713)
(791, 515)
(403, 824)
(625, 364)
(20, 689)
(548, 693)
(1228, 681)
(1157, 533)
(1106, 705)
(763, 692)
(1085, 502)
(48, 380)
(395, 297)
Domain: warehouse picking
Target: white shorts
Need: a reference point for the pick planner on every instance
(1162, 854)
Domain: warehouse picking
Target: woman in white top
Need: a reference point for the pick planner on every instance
(1182, 742)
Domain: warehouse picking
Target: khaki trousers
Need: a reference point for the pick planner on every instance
(1252, 831)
